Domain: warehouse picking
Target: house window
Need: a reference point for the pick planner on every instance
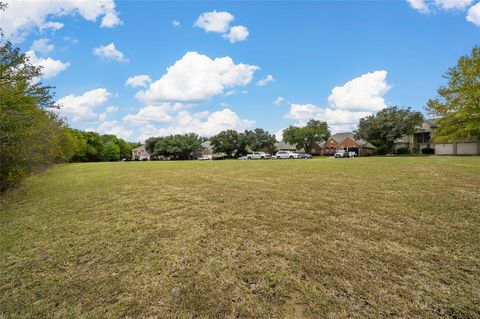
(423, 137)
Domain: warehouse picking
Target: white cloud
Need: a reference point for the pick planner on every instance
(109, 110)
(50, 67)
(265, 81)
(474, 14)
(364, 93)
(419, 5)
(236, 34)
(202, 123)
(230, 93)
(279, 134)
(349, 103)
(453, 4)
(138, 81)
(80, 107)
(154, 113)
(426, 6)
(176, 24)
(338, 120)
(115, 128)
(214, 21)
(109, 52)
(196, 77)
(22, 17)
(42, 45)
(111, 20)
(279, 100)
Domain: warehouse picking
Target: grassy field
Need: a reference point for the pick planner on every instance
(364, 237)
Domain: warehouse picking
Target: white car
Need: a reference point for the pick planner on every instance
(205, 157)
(286, 154)
(258, 155)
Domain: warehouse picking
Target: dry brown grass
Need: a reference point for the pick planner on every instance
(323, 238)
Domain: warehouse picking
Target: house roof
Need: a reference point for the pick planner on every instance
(140, 148)
(339, 137)
(365, 144)
(285, 146)
(207, 145)
(402, 140)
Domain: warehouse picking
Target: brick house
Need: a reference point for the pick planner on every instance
(347, 142)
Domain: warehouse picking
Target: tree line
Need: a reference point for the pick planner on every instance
(32, 136)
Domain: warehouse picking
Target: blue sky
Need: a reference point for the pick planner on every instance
(239, 64)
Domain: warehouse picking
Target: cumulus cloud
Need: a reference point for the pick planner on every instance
(138, 81)
(21, 17)
(419, 5)
(364, 93)
(338, 120)
(109, 52)
(219, 22)
(453, 4)
(202, 123)
(176, 24)
(279, 100)
(236, 34)
(80, 107)
(115, 128)
(214, 21)
(42, 45)
(474, 14)
(349, 103)
(154, 113)
(197, 77)
(427, 6)
(50, 67)
(111, 20)
(265, 81)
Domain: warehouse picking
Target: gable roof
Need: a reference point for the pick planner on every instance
(285, 146)
(140, 148)
(207, 145)
(339, 137)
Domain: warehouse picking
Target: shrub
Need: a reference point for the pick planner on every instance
(402, 150)
(380, 151)
(428, 150)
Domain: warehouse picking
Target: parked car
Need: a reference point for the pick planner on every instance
(242, 158)
(341, 154)
(286, 154)
(258, 155)
(205, 157)
(305, 156)
(344, 154)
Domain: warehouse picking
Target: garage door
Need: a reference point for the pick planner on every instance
(467, 148)
(444, 149)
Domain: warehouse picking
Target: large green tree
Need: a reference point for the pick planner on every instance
(227, 142)
(179, 146)
(382, 128)
(457, 106)
(31, 136)
(308, 136)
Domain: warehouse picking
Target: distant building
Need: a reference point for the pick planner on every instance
(346, 141)
(207, 149)
(283, 146)
(423, 138)
(140, 154)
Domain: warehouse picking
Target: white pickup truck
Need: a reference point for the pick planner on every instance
(258, 155)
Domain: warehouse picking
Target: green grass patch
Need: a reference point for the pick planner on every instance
(364, 237)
